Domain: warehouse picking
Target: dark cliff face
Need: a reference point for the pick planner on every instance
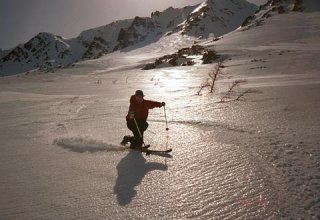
(137, 32)
(96, 48)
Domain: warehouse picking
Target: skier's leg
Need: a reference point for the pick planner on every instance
(136, 140)
(143, 125)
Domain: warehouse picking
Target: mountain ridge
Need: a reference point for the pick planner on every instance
(46, 50)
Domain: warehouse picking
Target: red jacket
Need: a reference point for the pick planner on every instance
(141, 110)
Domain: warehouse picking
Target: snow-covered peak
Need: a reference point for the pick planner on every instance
(171, 17)
(109, 31)
(217, 17)
(276, 7)
(43, 40)
(43, 49)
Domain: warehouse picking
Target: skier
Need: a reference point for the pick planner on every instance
(137, 118)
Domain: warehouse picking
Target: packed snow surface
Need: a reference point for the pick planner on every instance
(256, 158)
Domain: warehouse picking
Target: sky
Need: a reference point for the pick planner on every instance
(20, 20)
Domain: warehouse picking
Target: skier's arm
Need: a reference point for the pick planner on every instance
(153, 104)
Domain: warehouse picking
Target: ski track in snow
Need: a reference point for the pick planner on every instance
(257, 158)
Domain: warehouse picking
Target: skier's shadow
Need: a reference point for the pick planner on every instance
(131, 170)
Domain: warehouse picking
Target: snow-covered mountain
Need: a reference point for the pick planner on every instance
(216, 17)
(42, 49)
(47, 50)
(273, 7)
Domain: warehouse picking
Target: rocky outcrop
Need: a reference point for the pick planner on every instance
(184, 57)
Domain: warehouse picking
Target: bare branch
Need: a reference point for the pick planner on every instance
(234, 85)
(214, 75)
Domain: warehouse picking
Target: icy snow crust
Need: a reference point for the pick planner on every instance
(252, 159)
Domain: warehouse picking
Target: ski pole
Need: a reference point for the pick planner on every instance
(137, 127)
(167, 129)
(139, 131)
(165, 116)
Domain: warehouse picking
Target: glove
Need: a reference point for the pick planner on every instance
(163, 104)
(132, 114)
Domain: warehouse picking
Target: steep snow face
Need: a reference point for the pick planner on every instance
(217, 17)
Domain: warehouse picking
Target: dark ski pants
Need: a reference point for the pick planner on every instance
(143, 125)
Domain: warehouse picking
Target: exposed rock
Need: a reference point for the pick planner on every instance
(247, 20)
(184, 57)
(96, 48)
(209, 56)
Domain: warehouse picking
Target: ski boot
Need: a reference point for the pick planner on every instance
(137, 143)
(126, 139)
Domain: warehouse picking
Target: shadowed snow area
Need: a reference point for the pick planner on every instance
(256, 158)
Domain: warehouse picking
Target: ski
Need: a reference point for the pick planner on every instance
(145, 148)
(162, 153)
(158, 151)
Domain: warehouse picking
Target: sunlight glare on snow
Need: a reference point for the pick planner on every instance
(175, 78)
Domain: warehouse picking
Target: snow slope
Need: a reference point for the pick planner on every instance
(257, 158)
